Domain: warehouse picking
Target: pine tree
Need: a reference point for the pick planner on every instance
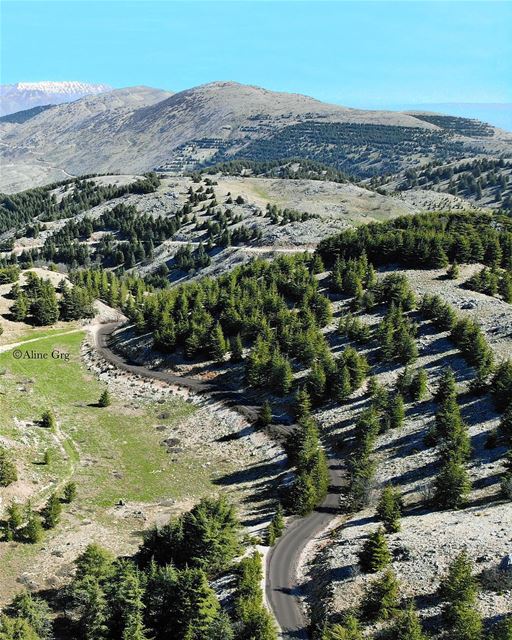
(48, 420)
(16, 629)
(503, 630)
(237, 349)
(349, 630)
(418, 386)
(446, 388)
(104, 400)
(45, 308)
(453, 271)
(375, 554)
(389, 509)
(316, 382)
(396, 412)
(459, 584)
(8, 473)
(408, 626)
(20, 308)
(33, 530)
(218, 346)
(381, 601)
(69, 492)
(15, 518)
(451, 486)
(302, 404)
(35, 611)
(51, 512)
(276, 526)
(464, 622)
(265, 414)
(220, 628)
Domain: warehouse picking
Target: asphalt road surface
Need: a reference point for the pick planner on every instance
(282, 589)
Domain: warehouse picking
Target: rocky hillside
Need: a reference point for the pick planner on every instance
(140, 129)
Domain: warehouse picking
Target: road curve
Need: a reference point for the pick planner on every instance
(282, 589)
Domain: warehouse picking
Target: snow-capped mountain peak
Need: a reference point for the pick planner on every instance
(25, 95)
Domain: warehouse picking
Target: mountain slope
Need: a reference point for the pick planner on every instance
(70, 138)
(138, 129)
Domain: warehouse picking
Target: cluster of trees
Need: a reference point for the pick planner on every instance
(276, 307)
(305, 452)
(126, 291)
(25, 524)
(288, 168)
(37, 302)
(492, 282)
(465, 332)
(351, 277)
(347, 146)
(427, 240)
(42, 203)
(9, 274)
(132, 237)
(188, 259)
(397, 337)
(285, 216)
(458, 592)
(162, 592)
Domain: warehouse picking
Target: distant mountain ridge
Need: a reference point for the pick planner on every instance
(26, 95)
(139, 129)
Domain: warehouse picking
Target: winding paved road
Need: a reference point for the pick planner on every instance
(282, 589)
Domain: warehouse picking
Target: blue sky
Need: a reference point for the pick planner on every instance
(365, 54)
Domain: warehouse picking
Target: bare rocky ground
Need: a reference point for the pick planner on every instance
(429, 540)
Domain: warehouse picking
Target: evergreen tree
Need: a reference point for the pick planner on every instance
(45, 308)
(418, 387)
(453, 271)
(15, 518)
(51, 512)
(237, 349)
(408, 626)
(20, 308)
(375, 554)
(451, 486)
(220, 628)
(265, 414)
(8, 473)
(464, 622)
(91, 605)
(381, 600)
(302, 404)
(16, 629)
(446, 388)
(218, 346)
(104, 399)
(389, 509)
(69, 492)
(396, 412)
(35, 611)
(33, 530)
(276, 526)
(349, 630)
(95, 562)
(503, 630)
(48, 420)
